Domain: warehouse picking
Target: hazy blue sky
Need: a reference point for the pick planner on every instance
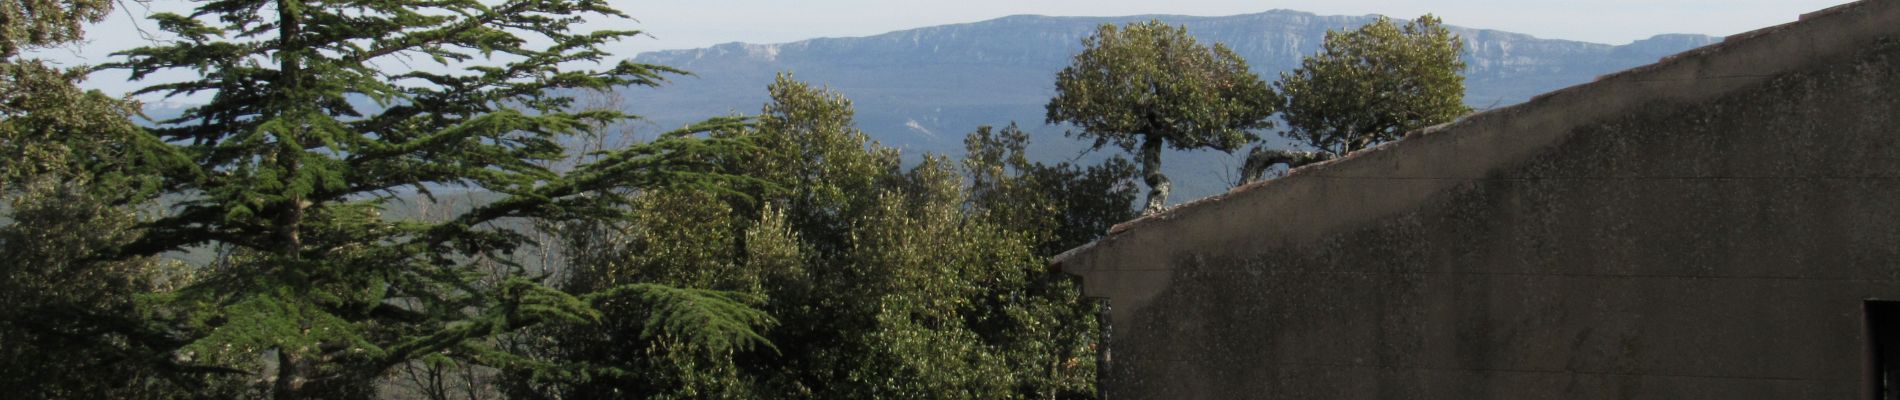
(698, 23)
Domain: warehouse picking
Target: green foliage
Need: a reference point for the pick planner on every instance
(884, 282)
(687, 314)
(1061, 206)
(26, 24)
(75, 327)
(682, 247)
(819, 159)
(72, 169)
(1370, 85)
(781, 258)
(1148, 85)
(1150, 81)
(48, 126)
(289, 172)
(922, 297)
(1057, 207)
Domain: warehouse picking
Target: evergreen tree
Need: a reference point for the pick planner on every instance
(319, 116)
(678, 238)
(1150, 85)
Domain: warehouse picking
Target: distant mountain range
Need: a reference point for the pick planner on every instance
(923, 89)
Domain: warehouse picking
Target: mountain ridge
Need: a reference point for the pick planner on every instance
(921, 89)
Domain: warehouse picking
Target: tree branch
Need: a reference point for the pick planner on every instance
(1260, 159)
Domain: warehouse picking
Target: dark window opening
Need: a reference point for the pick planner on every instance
(1883, 339)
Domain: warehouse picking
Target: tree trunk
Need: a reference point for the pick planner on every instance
(289, 146)
(289, 379)
(1260, 159)
(292, 369)
(303, 376)
(1151, 173)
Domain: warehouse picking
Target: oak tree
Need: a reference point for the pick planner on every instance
(1365, 87)
(73, 171)
(1148, 85)
(885, 281)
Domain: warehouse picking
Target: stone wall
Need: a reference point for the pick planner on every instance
(1707, 227)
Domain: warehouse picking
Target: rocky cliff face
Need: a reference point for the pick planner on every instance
(922, 89)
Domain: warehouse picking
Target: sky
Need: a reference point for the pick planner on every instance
(680, 24)
(698, 23)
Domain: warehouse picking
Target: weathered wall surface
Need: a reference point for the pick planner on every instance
(1707, 227)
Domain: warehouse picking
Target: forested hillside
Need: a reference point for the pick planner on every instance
(505, 224)
(922, 89)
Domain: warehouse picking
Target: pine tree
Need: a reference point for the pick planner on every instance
(682, 238)
(322, 112)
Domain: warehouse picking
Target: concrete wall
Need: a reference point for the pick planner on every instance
(1706, 227)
